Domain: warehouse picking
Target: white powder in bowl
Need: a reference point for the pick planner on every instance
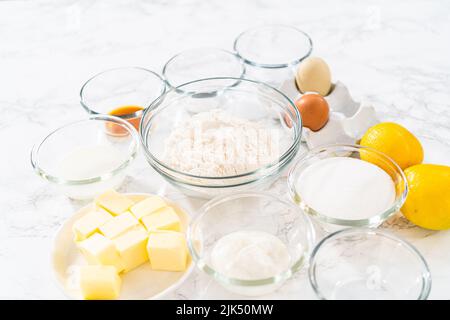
(217, 144)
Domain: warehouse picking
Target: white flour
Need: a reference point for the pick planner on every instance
(217, 144)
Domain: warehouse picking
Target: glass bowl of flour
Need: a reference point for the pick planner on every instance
(250, 242)
(347, 186)
(218, 135)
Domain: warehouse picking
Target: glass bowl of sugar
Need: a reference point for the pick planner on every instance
(86, 157)
(347, 186)
(368, 264)
(251, 242)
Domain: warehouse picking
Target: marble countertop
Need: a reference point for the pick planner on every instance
(392, 55)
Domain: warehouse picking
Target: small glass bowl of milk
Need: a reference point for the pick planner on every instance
(347, 186)
(86, 157)
(368, 264)
(250, 243)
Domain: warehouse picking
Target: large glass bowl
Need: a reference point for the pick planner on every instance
(86, 157)
(250, 211)
(375, 157)
(368, 264)
(245, 99)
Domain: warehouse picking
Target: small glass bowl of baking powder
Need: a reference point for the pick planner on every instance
(250, 242)
(368, 264)
(221, 134)
(347, 186)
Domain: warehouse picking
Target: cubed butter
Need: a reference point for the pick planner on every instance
(167, 251)
(89, 223)
(163, 219)
(99, 282)
(147, 206)
(114, 202)
(132, 247)
(118, 225)
(99, 250)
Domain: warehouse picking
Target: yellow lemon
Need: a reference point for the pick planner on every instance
(395, 141)
(428, 201)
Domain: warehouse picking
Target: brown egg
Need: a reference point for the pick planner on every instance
(314, 111)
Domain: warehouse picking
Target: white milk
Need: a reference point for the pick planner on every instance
(90, 162)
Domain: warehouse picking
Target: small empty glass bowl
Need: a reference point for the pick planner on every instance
(247, 100)
(272, 52)
(202, 63)
(250, 212)
(368, 264)
(375, 157)
(87, 157)
(123, 92)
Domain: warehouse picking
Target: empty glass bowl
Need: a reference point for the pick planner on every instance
(368, 264)
(272, 52)
(330, 223)
(237, 98)
(123, 92)
(202, 63)
(87, 157)
(250, 212)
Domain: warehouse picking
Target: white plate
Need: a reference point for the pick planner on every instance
(140, 283)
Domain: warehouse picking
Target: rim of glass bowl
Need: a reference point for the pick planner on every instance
(282, 276)
(41, 172)
(376, 219)
(125, 116)
(426, 275)
(273, 65)
(171, 86)
(157, 104)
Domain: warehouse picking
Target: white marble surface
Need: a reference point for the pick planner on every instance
(393, 55)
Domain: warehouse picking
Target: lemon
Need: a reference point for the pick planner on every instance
(395, 141)
(428, 201)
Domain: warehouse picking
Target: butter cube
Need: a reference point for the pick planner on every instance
(89, 223)
(99, 250)
(167, 251)
(132, 248)
(118, 225)
(163, 219)
(99, 282)
(147, 206)
(114, 202)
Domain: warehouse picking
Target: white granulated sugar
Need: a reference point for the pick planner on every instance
(217, 144)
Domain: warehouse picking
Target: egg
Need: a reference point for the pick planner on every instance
(313, 75)
(314, 111)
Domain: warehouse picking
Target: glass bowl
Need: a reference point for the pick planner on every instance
(87, 157)
(250, 212)
(247, 100)
(330, 223)
(202, 63)
(368, 264)
(272, 52)
(122, 92)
